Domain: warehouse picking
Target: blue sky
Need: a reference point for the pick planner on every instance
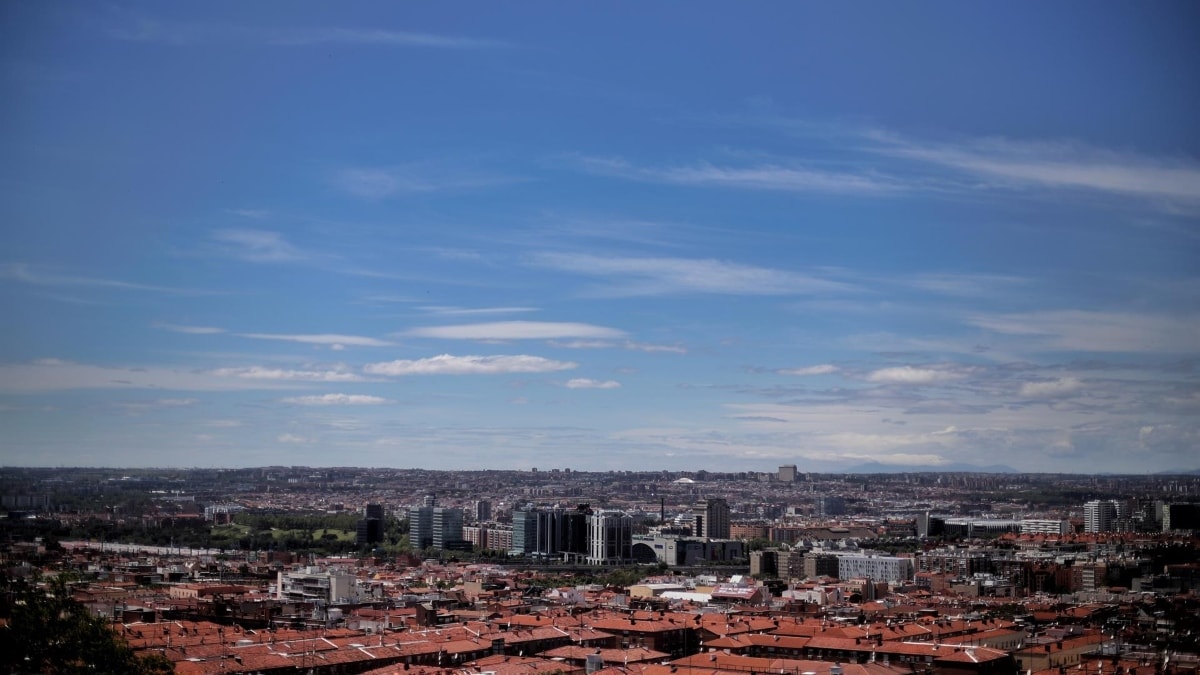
(609, 236)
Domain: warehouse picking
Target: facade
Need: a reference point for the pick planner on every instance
(878, 568)
(524, 531)
(818, 565)
(686, 551)
(313, 585)
(434, 526)
(710, 518)
(831, 506)
(447, 526)
(370, 526)
(609, 538)
(764, 563)
(420, 527)
(489, 536)
(749, 531)
(787, 473)
(1180, 517)
(1100, 516)
(483, 511)
(1045, 526)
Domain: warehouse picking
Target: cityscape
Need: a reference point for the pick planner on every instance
(345, 570)
(544, 338)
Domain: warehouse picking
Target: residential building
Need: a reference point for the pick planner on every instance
(317, 586)
(1045, 526)
(1100, 516)
(878, 568)
(710, 518)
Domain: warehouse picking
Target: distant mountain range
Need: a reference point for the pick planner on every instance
(1181, 472)
(876, 467)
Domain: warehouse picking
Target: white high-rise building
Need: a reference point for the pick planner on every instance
(610, 538)
(1100, 516)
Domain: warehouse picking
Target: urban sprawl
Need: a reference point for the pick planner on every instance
(385, 571)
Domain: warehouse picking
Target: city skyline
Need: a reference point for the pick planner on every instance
(550, 236)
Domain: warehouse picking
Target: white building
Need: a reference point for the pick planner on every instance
(1100, 516)
(875, 567)
(1045, 526)
(610, 538)
(313, 585)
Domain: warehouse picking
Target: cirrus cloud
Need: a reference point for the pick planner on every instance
(261, 373)
(331, 339)
(1065, 386)
(447, 364)
(586, 383)
(516, 330)
(635, 276)
(822, 369)
(337, 399)
(913, 376)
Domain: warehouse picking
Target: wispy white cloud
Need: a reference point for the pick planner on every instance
(328, 339)
(1094, 331)
(256, 214)
(821, 369)
(968, 285)
(662, 276)
(339, 374)
(447, 364)
(291, 438)
(913, 376)
(383, 182)
(26, 274)
(586, 383)
(780, 177)
(1053, 165)
(58, 375)
(257, 246)
(191, 330)
(474, 311)
(653, 348)
(140, 407)
(631, 345)
(1064, 386)
(516, 330)
(145, 29)
(361, 36)
(336, 399)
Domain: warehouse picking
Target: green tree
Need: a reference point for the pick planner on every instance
(49, 632)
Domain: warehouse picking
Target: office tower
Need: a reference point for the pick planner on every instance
(369, 528)
(483, 511)
(420, 525)
(610, 538)
(787, 473)
(447, 527)
(831, 506)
